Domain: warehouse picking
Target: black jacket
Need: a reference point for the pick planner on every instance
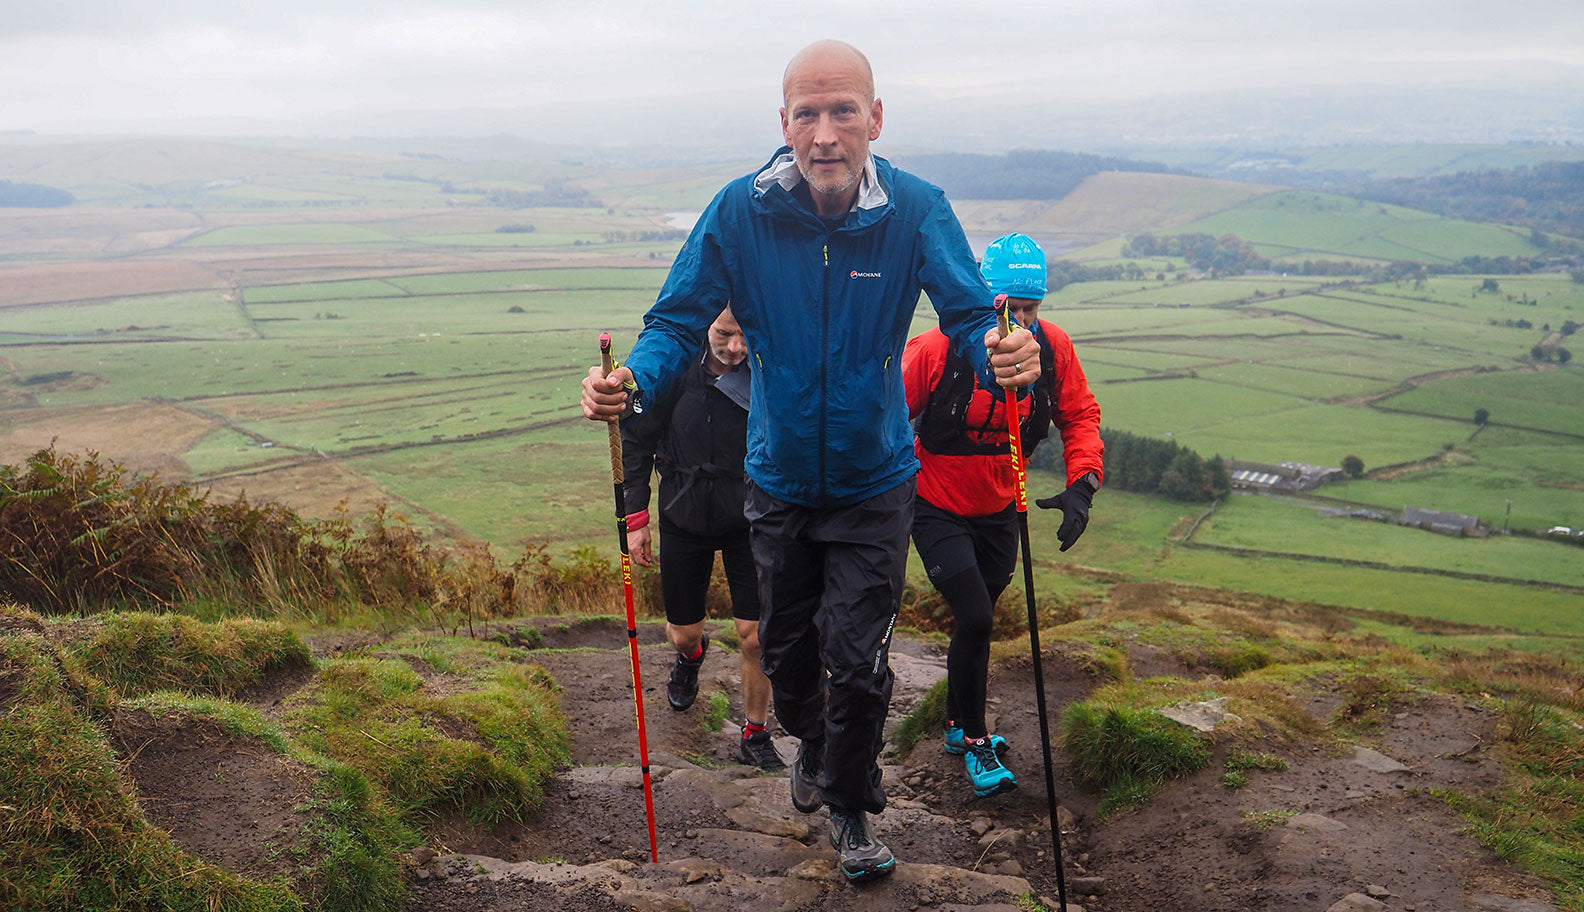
(697, 439)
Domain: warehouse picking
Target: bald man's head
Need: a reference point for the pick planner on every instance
(827, 56)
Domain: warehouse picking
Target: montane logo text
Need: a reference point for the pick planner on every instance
(864, 275)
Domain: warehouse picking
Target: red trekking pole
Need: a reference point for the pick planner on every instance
(606, 366)
(1015, 433)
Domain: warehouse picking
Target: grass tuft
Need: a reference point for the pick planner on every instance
(716, 711)
(482, 740)
(137, 653)
(928, 719)
(1128, 752)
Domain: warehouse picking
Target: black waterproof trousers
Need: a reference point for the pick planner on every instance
(830, 584)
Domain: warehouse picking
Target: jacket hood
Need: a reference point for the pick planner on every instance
(773, 187)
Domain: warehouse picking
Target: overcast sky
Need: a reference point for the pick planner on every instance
(116, 65)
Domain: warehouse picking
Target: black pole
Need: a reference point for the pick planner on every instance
(1015, 437)
(1039, 700)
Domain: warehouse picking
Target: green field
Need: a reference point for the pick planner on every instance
(1266, 524)
(1318, 225)
(1548, 400)
(440, 359)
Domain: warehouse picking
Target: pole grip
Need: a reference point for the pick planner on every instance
(1003, 318)
(612, 429)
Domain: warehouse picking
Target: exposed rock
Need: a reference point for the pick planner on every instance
(1089, 886)
(1377, 762)
(1317, 822)
(1202, 716)
(650, 901)
(1356, 902)
(1377, 891)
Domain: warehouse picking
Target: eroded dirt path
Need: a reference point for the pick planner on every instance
(1360, 818)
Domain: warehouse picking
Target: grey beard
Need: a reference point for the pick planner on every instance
(852, 178)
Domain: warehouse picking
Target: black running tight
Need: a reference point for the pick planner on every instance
(968, 658)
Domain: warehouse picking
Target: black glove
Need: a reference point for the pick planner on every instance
(1074, 504)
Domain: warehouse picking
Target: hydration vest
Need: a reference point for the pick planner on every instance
(943, 425)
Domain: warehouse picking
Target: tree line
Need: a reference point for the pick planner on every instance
(1548, 196)
(1229, 255)
(1149, 465)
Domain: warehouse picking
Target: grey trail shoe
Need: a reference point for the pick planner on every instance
(861, 855)
(805, 771)
(683, 686)
(756, 750)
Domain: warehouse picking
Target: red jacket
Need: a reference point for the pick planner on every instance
(980, 485)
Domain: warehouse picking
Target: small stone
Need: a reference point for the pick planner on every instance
(1377, 762)
(1092, 886)
(1084, 857)
(1012, 868)
(422, 874)
(696, 875)
(1356, 902)
(980, 826)
(603, 839)
(574, 795)
(1377, 891)
(1354, 794)
(422, 855)
(691, 834)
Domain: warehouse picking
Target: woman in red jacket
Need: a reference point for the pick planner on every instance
(965, 523)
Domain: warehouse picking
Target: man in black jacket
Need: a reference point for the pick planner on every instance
(697, 439)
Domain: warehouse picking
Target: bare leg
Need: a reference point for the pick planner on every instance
(756, 687)
(687, 637)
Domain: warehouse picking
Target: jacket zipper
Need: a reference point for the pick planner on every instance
(824, 361)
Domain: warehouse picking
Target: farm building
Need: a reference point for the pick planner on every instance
(1460, 524)
(1288, 476)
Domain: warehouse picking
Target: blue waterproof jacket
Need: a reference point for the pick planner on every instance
(825, 307)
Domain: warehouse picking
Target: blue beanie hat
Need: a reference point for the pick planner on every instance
(1014, 265)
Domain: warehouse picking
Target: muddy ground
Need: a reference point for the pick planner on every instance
(1358, 820)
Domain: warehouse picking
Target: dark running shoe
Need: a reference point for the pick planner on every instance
(683, 686)
(756, 750)
(805, 773)
(861, 855)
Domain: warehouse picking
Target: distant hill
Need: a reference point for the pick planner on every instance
(1549, 196)
(1108, 206)
(32, 196)
(1019, 174)
(1297, 224)
(1529, 185)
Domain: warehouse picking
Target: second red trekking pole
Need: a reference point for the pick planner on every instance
(606, 366)
(1015, 435)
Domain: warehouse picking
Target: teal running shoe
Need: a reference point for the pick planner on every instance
(956, 745)
(985, 770)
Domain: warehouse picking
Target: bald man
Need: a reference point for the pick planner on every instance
(822, 254)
